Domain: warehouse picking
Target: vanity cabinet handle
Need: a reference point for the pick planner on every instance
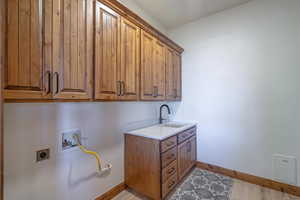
(170, 171)
(189, 147)
(169, 144)
(171, 156)
(171, 184)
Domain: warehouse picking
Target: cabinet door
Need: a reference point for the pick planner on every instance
(72, 49)
(130, 60)
(186, 156)
(170, 75)
(107, 53)
(173, 75)
(28, 67)
(147, 66)
(193, 151)
(183, 158)
(159, 70)
(177, 75)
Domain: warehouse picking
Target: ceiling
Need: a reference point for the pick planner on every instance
(174, 13)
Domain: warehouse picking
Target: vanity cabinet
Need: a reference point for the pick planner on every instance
(154, 167)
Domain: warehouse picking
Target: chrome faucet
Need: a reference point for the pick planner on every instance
(160, 112)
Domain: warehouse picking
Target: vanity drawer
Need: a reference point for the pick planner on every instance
(169, 185)
(186, 134)
(168, 144)
(168, 157)
(169, 171)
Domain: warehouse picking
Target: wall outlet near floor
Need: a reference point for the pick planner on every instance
(68, 140)
(42, 155)
(285, 169)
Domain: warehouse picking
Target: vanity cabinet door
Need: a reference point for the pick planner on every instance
(186, 156)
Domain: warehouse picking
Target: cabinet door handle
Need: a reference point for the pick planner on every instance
(175, 93)
(169, 144)
(189, 147)
(171, 170)
(119, 88)
(56, 75)
(171, 184)
(171, 156)
(48, 89)
(123, 88)
(154, 91)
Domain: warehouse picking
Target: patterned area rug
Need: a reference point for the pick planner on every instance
(204, 185)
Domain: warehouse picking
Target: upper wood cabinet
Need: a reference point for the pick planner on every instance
(173, 75)
(117, 54)
(107, 50)
(159, 70)
(147, 63)
(72, 49)
(27, 71)
(49, 49)
(84, 50)
(129, 71)
(152, 68)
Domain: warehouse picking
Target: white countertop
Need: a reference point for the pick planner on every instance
(161, 132)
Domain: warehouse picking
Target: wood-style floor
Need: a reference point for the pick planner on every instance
(240, 191)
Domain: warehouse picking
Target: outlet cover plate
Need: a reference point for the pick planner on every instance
(285, 169)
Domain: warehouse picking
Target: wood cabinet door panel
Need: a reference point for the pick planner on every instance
(106, 53)
(170, 78)
(193, 154)
(147, 63)
(130, 60)
(72, 49)
(26, 70)
(177, 75)
(183, 159)
(159, 70)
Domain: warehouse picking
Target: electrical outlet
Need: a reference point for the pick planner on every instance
(68, 140)
(42, 155)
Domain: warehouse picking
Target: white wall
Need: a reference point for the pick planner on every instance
(241, 82)
(143, 14)
(69, 175)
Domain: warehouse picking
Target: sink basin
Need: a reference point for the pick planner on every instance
(174, 125)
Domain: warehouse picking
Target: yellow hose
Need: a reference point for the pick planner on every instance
(96, 155)
(84, 150)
